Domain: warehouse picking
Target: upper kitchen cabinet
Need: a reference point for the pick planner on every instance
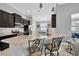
(6, 19)
(0, 19)
(28, 22)
(17, 18)
(25, 22)
(11, 21)
(53, 20)
(22, 21)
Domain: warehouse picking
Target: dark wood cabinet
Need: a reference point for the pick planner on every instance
(11, 21)
(0, 19)
(22, 20)
(28, 22)
(17, 18)
(3, 46)
(6, 19)
(25, 22)
(26, 29)
(54, 20)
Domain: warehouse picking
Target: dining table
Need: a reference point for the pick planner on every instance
(47, 38)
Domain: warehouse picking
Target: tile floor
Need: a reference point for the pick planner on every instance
(23, 52)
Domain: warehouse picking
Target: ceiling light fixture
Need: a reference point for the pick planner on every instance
(52, 9)
(41, 5)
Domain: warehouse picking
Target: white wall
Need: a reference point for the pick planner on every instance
(7, 8)
(63, 18)
(64, 13)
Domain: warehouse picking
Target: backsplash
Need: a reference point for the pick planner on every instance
(8, 30)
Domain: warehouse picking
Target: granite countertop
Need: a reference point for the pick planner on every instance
(17, 40)
(6, 34)
(23, 39)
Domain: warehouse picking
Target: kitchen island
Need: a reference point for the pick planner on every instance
(4, 45)
(18, 45)
(18, 40)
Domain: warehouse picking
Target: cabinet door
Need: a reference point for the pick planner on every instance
(54, 20)
(11, 21)
(5, 18)
(28, 22)
(25, 22)
(22, 21)
(17, 18)
(0, 19)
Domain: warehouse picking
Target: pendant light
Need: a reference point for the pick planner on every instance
(41, 5)
(52, 9)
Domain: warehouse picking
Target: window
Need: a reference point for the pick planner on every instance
(75, 23)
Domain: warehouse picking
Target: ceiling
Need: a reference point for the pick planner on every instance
(33, 8)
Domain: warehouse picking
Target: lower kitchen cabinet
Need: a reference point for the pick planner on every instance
(3, 46)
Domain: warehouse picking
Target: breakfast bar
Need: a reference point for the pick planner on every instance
(4, 45)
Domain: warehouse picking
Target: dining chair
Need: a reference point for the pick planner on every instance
(69, 48)
(75, 48)
(54, 46)
(34, 46)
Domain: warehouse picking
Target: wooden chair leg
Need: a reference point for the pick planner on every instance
(41, 52)
(50, 53)
(57, 53)
(29, 49)
(45, 52)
